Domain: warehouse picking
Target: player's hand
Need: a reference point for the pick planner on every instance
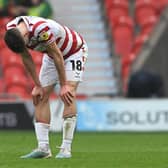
(37, 94)
(66, 95)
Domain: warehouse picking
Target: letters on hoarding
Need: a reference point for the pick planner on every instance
(123, 115)
(15, 116)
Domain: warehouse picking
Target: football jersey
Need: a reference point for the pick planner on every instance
(45, 31)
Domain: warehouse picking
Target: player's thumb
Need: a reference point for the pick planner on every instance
(41, 95)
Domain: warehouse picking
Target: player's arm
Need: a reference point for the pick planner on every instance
(37, 91)
(55, 52)
(30, 66)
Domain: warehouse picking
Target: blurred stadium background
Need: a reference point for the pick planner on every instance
(125, 84)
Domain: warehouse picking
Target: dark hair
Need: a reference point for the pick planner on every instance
(14, 40)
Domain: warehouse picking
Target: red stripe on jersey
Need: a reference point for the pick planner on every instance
(34, 28)
(44, 29)
(74, 44)
(11, 26)
(65, 43)
(74, 48)
(58, 39)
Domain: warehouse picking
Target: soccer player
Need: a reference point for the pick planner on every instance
(65, 53)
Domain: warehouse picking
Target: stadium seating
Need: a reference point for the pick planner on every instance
(18, 92)
(123, 27)
(2, 43)
(127, 60)
(139, 41)
(144, 9)
(17, 85)
(14, 79)
(116, 8)
(160, 5)
(148, 24)
(37, 57)
(2, 86)
(13, 70)
(3, 22)
(10, 58)
(13, 74)
(123, 33)
(125, 68)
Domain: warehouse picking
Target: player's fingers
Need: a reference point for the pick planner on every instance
(41, 96)
(70, 94)
(66, 100)
(35, 100)
(70, 97)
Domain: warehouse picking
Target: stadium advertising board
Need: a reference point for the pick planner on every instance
(16, 115)
(123, 115)
(94, 115)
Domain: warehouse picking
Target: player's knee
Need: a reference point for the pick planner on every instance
(47, 92)
(73, 85)
(70, 111)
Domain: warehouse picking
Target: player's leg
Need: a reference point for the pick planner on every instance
(42, 125)
(74, 67)
(42, 110)
(69, 124)
(42, 120)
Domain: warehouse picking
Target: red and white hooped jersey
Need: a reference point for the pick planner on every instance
(45, 31)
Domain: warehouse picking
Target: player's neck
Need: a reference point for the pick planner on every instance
(24, 31)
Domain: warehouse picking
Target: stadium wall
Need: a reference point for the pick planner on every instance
(94, 115)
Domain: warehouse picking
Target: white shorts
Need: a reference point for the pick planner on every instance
(74, 68)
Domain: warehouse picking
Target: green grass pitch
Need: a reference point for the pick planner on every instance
(90, 150)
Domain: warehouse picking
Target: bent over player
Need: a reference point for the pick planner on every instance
(65, 53)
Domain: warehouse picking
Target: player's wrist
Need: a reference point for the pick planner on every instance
(38, 85)
(64, 83)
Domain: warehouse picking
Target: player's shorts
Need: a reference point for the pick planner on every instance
(74, 68)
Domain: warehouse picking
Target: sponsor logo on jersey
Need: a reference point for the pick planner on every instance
(43, 36)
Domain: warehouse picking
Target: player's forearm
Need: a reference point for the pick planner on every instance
(30, 67)
(59, 63)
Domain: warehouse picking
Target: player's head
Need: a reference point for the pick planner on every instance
(14, 40)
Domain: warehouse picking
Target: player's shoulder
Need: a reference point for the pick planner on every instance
(29, 20)
(12, 23)
(35, 19)
(37, 24)
(40, 22)
(42, 29)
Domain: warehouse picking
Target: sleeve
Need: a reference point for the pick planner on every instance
(45, 34)
(11, 24)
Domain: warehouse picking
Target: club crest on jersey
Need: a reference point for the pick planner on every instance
(43, 36)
